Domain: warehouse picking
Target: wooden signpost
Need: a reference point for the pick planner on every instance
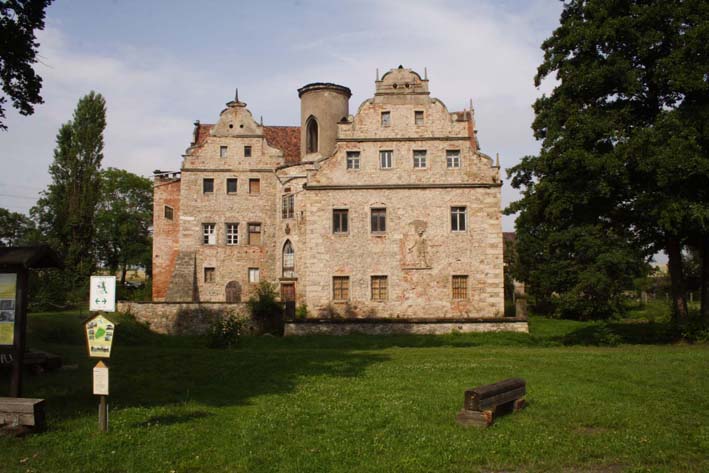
(99, 339)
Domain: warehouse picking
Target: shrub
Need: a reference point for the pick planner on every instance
(265, 309)
(226, 330)
(301, 312)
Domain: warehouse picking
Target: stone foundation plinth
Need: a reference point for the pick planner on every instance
(404, 326)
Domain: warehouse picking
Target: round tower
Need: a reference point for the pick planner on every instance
(322, 106)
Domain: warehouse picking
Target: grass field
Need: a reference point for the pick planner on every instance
(371, 404)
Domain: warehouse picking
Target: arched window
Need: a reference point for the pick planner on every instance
(288, 260)
(233, 292)
(311, 136)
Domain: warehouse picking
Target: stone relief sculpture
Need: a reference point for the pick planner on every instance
(415, 248)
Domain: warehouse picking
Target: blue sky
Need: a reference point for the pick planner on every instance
(163, 64)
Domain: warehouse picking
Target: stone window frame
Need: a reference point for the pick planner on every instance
(253, 225)
(353, 157)
(337, 222)
(209, 233)
(209, 274)
(248, 151)
(341, 288)
(254, 275)
(288, 206)
(450, 159)
(378, 231)
(385, 122)
(312, 135)
(257, 181)
(457, 217)
(207, 185)
(419, 118)
(223, 150)
(168, 212)
(379, 287)
(419, 158)
(391, 159)
(288, 260)
(232, 233)
(459, 287)
(236, 185)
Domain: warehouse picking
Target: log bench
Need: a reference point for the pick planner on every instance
(19, 411)
(482, 404)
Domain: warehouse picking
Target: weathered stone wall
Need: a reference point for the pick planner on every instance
(166, 192)
(181, 318)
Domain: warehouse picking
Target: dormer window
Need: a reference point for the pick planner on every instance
(386, 118)
(311, 136)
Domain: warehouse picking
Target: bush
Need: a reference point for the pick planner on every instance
(265, 309)
(225, 331)
(301, 312)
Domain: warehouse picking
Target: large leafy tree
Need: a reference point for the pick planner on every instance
(16, 229)
(67, 210)
(19, 20)
(123, 220)
(624, 157)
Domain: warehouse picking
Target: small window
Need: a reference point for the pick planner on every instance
(419, 159)
(254, 275)
(209, 234)
(452, 159)
(247, 151)
(418, 117)
(353, 160)
(232, 233)
(254, 186)
(458, 219)
(254, 234)
(222, 151)
(288, 206)
(209, 274)
(341, 288)
(386, 118)
(460, 287)
(339, 220)
(207, 185)
(231, 185)
(379, 288)
(385, 159)
(168, 212)
(379, 220)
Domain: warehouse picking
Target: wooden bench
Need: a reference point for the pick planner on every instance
(482, 404)
(19, 411)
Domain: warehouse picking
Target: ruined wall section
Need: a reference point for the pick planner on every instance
(166, 230)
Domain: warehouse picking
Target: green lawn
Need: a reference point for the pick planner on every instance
(379, 404)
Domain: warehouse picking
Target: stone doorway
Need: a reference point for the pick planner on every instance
(233, 292)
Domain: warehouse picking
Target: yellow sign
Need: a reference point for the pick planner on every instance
(8, 290)
(99, 336)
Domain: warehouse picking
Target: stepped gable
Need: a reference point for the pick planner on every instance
(285, 138)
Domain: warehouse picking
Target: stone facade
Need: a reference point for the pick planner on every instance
(393, 212)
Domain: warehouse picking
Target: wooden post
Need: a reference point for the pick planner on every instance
(20, 331)
(103, 414)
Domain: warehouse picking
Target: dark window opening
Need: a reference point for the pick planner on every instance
(312, 136)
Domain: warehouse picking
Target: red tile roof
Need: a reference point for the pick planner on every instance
(202, 133)
(285, 138)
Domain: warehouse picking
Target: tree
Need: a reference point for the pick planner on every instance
(19, 19)
(123, 220)
(624, 142)
(15, 228)
(66, 211)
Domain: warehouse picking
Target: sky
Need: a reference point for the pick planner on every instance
(161, 65)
